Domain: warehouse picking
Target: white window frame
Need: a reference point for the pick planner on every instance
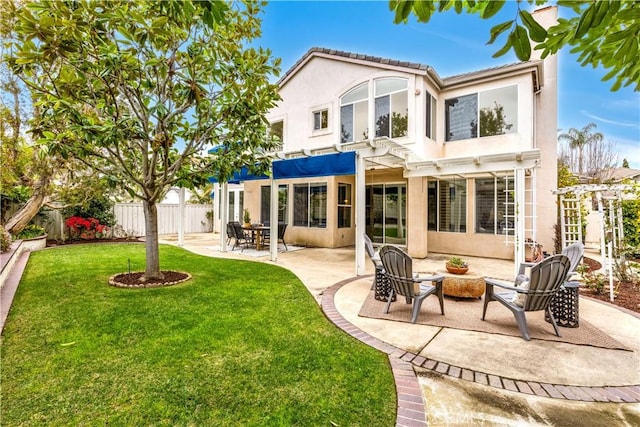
(319, 109)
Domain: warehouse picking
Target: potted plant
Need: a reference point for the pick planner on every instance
(457, 265)
(247, 218)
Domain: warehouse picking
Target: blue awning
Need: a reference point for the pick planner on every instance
(242, 175)
(308, 167)
(305, 167)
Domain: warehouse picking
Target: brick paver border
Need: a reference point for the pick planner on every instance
(410, 403)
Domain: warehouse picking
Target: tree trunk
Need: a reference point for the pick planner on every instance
(152, 270)
(30, 209)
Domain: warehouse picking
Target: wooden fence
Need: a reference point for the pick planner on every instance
(130, 219)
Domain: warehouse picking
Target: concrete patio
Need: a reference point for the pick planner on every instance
(474, 378)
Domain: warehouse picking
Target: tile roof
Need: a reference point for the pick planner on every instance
(423, 68)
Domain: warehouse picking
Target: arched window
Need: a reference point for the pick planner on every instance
(391, 111)
(354, 108)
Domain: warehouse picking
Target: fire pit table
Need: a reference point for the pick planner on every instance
(466, 285)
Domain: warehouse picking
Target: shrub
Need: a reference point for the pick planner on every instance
(31, 231)
(5, 239)
(98, 208)
(86, 228)
(631, 225)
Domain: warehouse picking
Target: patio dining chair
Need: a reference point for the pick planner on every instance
(533, 293)
(398, 269)
(282, 228)
(241, 238)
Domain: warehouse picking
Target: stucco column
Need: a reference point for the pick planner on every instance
(546, 139)
(417, 217)
(273, 221)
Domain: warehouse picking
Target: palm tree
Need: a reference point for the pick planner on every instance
(581, 138)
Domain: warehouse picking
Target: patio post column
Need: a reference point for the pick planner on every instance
(519, 218)
(224, 215)
(360, 214)
(273, 220)
(181, 216)
(215, 208)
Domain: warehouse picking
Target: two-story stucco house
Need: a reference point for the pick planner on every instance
(462, 165)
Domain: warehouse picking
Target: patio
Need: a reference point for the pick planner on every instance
(456, 367)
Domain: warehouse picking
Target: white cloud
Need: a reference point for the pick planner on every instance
(609, 121)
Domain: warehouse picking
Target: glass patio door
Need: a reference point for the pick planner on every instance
(386, 213)
(236, 205)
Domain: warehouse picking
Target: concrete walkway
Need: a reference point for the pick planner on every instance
(475, 378)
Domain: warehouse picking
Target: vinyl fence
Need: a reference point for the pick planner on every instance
(130, 219)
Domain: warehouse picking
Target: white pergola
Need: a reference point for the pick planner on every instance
(387, 153)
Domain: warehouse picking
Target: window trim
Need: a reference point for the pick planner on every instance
(284, 130)
(347, 204)
(478, 95)
(308, 186)
(440, 210)
(370, 107)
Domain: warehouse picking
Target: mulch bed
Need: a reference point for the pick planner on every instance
(628, 293)
(54, 243)
(132, 280)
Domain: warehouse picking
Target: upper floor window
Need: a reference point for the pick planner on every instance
(321, 119)
(391, 107)
(354, 114)
(493, 112)
(430, 116)
(390, 100)
(276, 132)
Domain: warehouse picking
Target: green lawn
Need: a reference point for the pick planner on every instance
(240, 344)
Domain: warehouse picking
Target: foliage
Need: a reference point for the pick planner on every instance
(631, 226)
(98, 207)
(565, 177)
(86, 228)
(31, 176)
(603, 33)
(595, 281)
(143, 87)
(31, 231)
(625, 163)
(587, 153)
(246, 216)
(5, 239)
(457, 262)
(128, 357)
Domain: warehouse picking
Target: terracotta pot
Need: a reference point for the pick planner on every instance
(456, 270)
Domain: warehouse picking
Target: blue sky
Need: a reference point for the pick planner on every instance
(451, 44)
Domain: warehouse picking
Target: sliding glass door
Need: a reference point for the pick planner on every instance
(386, 213)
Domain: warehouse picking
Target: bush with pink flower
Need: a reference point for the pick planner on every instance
(86, 228)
